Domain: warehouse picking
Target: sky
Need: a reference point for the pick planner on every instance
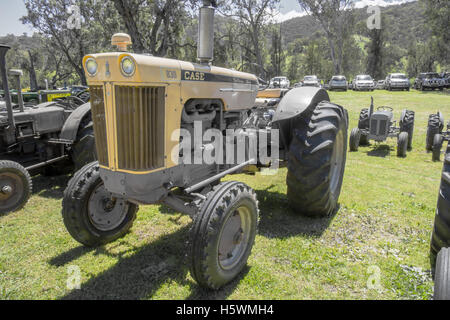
(12, 10)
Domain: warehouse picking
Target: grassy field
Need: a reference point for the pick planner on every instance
(375, 247)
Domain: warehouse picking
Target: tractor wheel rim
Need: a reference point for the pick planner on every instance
(11, 190)
(234, 238)
(106, 213)
(337, 160)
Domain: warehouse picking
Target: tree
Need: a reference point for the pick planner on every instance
(154, 26)
(438, 14)
(336, 19)
(74, 30)
(252, 16)
(277, 56)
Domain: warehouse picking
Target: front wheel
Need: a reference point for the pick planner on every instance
(437, 146)
(223, 234)
(91, 215)
(355, 137)
(15, 186)
(442, 275)
(316, 163)
(402, 144)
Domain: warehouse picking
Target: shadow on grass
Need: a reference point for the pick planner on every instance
(278, 221)
(140, 272)
(380, 150)
(140, 275)
(50, 187)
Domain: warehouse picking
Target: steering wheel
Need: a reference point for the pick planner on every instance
(385, 108)
(72, 102)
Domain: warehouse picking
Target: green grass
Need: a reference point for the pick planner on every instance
(382, 228)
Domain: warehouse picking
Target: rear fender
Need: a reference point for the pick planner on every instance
(295, 103)
(70, 128)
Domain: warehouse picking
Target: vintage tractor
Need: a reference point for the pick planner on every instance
(48, 138)
(436, 134)
(152, 116)
(379, 126)
(440, 237)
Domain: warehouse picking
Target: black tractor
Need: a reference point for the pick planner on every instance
(436, 134)
(440, 237)
(49, 138)
(378, 125)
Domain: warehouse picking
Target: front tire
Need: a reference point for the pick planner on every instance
(316, 163)
(15, 186)
(437, 146)
(402, 144)
(90, 214)
(440, 237)
(355, 137)
(223, 234)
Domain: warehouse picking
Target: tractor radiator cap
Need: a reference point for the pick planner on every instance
(121, 40)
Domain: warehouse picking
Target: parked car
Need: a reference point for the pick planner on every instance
(311, 81)
(338, 83)
(446, 77)
(429, 80)
(397, 81)
(279, 82)
(380, 84)
(363, 82)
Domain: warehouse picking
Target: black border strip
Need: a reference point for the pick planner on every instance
(200, 76)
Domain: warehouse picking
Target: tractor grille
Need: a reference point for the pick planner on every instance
(140, 116)
(382, 128)
(99, 121)
(373, 126)
(378, 127)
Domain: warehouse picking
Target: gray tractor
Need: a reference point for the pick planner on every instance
(378, 125)
(49, 138)
(436, 134)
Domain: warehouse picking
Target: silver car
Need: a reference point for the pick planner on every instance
(310, 81)
(279, 82)
(363, 82)
(338, 83)
(397, 81)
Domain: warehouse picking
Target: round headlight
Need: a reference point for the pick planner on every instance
(128, 66)
(91, 66)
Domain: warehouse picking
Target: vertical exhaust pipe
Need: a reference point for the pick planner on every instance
(3, 50)
(205, 46)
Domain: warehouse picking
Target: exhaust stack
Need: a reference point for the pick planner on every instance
(205, 46)
(3, 50)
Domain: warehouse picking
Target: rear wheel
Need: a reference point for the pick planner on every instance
(223, 234)
(91, 215)
(434, 127)
(317, 157)
(355, 137)
(363, 123)
(442, 275)
(402, 144)
(15, 186)
(437, 146)
(440, 237)
(83, 150)
(407, 125)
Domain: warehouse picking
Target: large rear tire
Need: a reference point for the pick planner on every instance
(440, 237)
(83, 150)
(442, 275)
(363, 124)
(90, 214)
(407, 125)
(223, 234)
(15, 186)
(434, 127)
(316, 163)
